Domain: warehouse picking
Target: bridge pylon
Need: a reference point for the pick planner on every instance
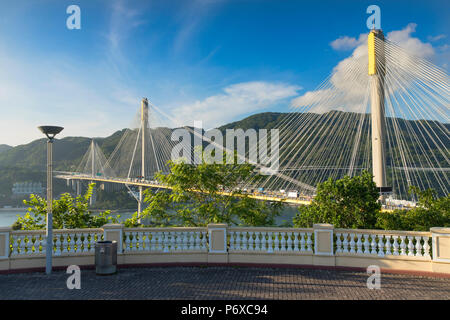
(144, 124)
(377, 72)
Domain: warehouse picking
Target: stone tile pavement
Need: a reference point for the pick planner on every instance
(224, 283)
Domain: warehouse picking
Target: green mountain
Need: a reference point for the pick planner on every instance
(4, 147)
(28, 162)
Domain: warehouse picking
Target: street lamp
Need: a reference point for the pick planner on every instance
(50, 132)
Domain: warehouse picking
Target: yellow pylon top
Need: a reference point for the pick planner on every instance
(372, 58)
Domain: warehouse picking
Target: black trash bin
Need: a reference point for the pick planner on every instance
(106, 257)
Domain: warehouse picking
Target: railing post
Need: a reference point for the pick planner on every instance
(114, 232)
(441, 249)
(324, 245)
(4, 248)
(218, 248)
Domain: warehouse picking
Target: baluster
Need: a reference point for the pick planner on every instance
(251, 241)
(128, 241)
(133, 241)
(283, 241)
(352, 243)
(159, 241)
(85, 242)
(380, 246)
(58, 245)
(366, 244)
(426, 247)
(410, 246)
(395, 245)
(171, 241)
(35, 247)
(78, 243)
(139, 241)
(309, 241)
(264, 241)
(244, 240)
(185, 241)
(72, 243)
(277, 241)
(197, 240)
(345, 243)
(146, 238)
(26, 243)
(302, 242)
(338, 243)
(359, 244)
(91, 242)
(403, 246)
(418, 246)
(204, 240)
(165, 241)
(152, 246)
(191, 241)
(387, 245)
(236, 240)
(30, 247)
(373, 245)
(21, 240)
(289, 241)
(44, 244)
(296, 241)
(65, 244)
(257, 241)
(177, 241)
(270, 247)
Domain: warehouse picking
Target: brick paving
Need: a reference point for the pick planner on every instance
(222, 283)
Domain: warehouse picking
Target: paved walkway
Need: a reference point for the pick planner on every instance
(222, 283)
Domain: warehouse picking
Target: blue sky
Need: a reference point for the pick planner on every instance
(215, 61)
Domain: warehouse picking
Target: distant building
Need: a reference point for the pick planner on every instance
(23, 189)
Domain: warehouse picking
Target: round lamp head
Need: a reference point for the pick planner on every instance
(50, 131)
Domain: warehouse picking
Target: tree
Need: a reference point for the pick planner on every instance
(431, 211)
(345, 203)
(68, 213)
(203, 194)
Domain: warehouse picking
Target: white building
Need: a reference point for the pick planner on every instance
(21, 189)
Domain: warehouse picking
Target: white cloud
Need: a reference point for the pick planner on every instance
(236, 100)
(345, 43)
(349, 80)
(436, 38)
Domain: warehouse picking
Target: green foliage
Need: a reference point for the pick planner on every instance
(206, 193)
(430, 212)
(68, 213)
(113, 199)
(345, 203)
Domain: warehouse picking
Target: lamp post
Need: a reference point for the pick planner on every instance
(50, 132)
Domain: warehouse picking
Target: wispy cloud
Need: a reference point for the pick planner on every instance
(436, 38)
(236, 100)
(190, 19)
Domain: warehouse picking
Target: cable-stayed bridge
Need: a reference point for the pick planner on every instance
(395, 125)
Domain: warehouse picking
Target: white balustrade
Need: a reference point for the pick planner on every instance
(270, 241)
(165, 241)
(382, 244)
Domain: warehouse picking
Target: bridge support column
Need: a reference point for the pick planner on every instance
(93, 197)
(377, 73)
(78, 188)
(140, 204)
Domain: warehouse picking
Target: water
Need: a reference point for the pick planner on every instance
(9, 216)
